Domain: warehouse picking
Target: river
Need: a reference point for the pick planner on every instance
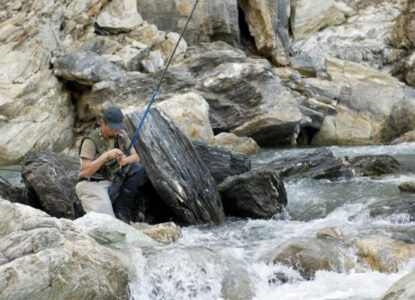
(233, 259)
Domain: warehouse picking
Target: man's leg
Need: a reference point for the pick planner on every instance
(94, 196)
(129, 192)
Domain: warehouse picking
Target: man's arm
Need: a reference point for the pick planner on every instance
(133, 157)
(89, 166)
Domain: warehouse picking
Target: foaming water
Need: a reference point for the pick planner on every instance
(234, 260)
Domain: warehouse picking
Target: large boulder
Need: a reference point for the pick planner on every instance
(403, 289)
(220, 161)
(255, 194)
(52, 178)
(119, 16)
(107, 230)
(309, 255)
(42, 257)
(310, 17)
(245, 96)
(12, 193)
(384, 254)
(401, 207)
(191, 114)
(371, 106)
(213, 20)
(372, 165)
(362, 34)
(32, 101)
(236, 143)
(87, 68)
(317, 164)
(175, 170)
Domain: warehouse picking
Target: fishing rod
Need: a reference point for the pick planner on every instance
(10, 170)
(153, 97)
(155, 91)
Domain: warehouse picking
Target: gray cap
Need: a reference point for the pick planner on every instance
(113, 117)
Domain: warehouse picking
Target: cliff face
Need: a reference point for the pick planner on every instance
(321, 72)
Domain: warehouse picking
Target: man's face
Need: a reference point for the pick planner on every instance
(108, 131)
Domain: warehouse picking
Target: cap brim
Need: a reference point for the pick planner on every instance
(116, 126)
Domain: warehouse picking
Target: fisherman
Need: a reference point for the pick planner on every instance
(102, 155)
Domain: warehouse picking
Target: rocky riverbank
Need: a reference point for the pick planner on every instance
(248, 75)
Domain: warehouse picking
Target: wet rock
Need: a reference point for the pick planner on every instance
(119, 16)
(384, 254)
(399, 207)
(87, 68)
(236, 283)
(11, 193)
(46, 257)
(255, 194)
(403, 289)
(177, 173)
(108, 230)
(190, 112)
(236, 143)
(52, 177)
(373, 165)
(330, 232)
(220, 161)
(408, 186)
(309, 255)
(213, 20)
(163, 233)
(317, 164)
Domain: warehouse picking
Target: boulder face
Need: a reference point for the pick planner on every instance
(213, 20)
(402, 289)
(177, 173)
(52, 178)
(87, 68)
(312, 254)
(373, 165)
(190, 112)
(268, 23)
(369, 105)
(362, 34)
(384, 254)
(245, 96)
(310, 17)
(255, 194)
(44, 257)
(119, 16)
(399, 207)
(317, 164)
(221, 162)
(11, 193)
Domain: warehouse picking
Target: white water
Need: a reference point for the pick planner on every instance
(232, 260)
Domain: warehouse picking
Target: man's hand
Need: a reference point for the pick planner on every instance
(115, 153)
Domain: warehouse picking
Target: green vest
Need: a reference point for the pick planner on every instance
(110, 168)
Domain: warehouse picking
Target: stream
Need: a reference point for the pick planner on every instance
(232, 261)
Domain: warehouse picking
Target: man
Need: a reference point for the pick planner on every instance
(102, 156)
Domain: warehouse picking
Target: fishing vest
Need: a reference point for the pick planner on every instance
(110, 168)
